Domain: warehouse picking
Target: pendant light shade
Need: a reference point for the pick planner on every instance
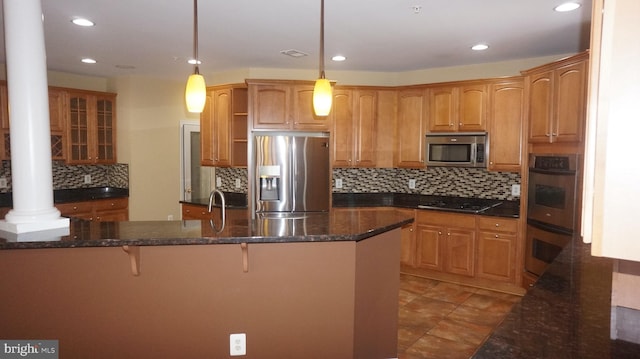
(322, 92)
(195, 93)
(322, 97)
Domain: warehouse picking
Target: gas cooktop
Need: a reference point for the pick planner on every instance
(460, 204)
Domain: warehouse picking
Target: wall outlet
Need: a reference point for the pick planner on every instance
(238, 344)
(238, 183)
(218, 182)
(3, 182)
(170, 217)
(412, 184)
(338, 182)
(515, 190)
(87, 179)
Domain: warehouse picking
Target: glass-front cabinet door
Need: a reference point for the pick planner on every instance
(78, 128)
(91, 128)
(105, 130)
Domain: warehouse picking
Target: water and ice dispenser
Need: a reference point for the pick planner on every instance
(270, 183)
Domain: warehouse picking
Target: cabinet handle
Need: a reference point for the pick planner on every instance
(410, 229)
(546, 134)
(554, 134)
(497, 236)
(439, 232)
(451, 124)
(75, 208)
(497, 224)
(460, 124)
(448, 233)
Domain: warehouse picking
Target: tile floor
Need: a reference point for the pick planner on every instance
(445, 320)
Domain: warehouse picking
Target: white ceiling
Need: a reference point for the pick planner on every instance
(156, 36)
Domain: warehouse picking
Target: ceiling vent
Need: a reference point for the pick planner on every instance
(294, 53)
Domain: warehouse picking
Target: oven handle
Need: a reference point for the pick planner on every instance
(552, 172)
(549, 227)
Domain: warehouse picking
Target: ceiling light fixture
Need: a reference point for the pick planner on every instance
(569, 6)
(196, 91)
(322, 93)
(338, 58)
(480, 47)
(82, 22)
(87, 60)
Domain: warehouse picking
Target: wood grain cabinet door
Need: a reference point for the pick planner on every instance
(270, 106)
(365, 126)
(506, 118)
(570, 105)
(443, 109)
(473, 108)
(343, 128)
(411, 128)
(540, 110)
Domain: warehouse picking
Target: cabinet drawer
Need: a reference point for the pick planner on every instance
(74, 208)
(191, 211)
(446, 219)
(110, 204)
(497, 224)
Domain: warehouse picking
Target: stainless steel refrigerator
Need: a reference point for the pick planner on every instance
(291, 172)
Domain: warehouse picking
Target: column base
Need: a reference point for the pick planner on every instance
(37, 226)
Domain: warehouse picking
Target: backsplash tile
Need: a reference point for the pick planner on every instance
(441, 181)
(72, 176)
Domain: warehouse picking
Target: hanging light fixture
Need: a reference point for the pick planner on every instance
(196, 91)
(322, 93)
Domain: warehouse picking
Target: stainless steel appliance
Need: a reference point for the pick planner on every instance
(291, 172)
(458, 149)
(551, 209)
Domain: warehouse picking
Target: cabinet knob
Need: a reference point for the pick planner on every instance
(439, 232)
(546, 134)
(451, 124)
(75, 208)
(497, 236)
(460, 124)
(497, 224)
(553, 134)
(410, 229)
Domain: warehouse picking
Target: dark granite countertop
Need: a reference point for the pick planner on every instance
(407, 200)
(75, 195)
(347, 225)
(565, 315)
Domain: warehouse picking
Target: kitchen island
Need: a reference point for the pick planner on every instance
(314, 286)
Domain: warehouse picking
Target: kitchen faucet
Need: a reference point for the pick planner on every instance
(223, 207)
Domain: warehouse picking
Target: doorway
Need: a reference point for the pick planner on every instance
(195, 180)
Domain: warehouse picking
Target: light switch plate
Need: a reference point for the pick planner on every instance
(3, 182)
(412, 184)
(515, 190)
(218, 182)
(338, 182)
(238, 183)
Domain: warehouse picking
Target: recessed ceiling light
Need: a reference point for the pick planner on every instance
(193, 62)
(82, 22)
(88, 61)
(568, 6)
(479, 47)
(338, 58)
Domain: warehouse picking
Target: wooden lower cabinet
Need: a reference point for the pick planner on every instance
(497, 249)
(474, 250)
(105, 210)
(446, 242)
(408, 239)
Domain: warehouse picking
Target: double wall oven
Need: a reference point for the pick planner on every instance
(551, 210)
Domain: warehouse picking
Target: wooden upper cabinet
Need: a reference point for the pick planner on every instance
(270, 106)
(215, 128)
(473, 106)
(343, 124)
(506, 118)
(457, 107)
(57, 110)
(557, 100)
(354, 128)
(411, 128)
(443, 109)
(304, 117)
(91, 128)
(284, 105)
(5, 150)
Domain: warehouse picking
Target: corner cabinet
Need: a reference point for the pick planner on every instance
(284, 105)
(506, 124)
(223, 127)
(411, 127)
(91, 128)
(557, 100)
(354, 118)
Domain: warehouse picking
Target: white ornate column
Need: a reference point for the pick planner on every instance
(32, 178)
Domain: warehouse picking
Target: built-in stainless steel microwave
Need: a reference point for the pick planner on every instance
(459, 149)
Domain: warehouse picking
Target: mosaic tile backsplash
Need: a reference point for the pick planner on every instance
(69, 177)
(441, 181)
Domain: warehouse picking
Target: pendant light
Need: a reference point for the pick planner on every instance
(196, 91)
(322, 92)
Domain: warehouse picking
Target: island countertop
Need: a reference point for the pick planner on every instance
(342, 225)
